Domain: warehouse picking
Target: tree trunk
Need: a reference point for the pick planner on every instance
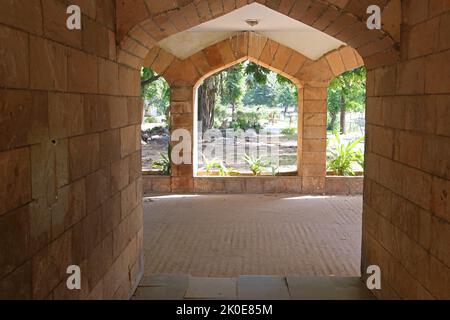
(343, 116)
(207, 102)
(333, 120)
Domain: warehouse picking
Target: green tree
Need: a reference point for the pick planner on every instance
(346, 93)
(267, 88)
(248, 83)
(286, 94)
(259, 95)
(148, 76)
(155, 90)
(232, 87)
(255, 74)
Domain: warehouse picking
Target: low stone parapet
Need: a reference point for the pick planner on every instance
(254, 185)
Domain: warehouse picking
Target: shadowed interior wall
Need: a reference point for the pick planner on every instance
(406, 222)
(70, 181)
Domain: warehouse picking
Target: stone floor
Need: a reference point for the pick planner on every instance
(182, 287)
(226, 236)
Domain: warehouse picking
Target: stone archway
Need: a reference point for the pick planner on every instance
(141, 26)
(344, 20)
(311, 78)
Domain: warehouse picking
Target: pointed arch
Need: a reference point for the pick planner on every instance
(142, 25)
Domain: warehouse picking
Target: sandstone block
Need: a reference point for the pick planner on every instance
(15, 189)
(84, 155)
(14, 54)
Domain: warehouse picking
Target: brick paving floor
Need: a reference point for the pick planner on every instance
(234, 235)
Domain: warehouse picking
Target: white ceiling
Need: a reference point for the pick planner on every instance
(310, 42)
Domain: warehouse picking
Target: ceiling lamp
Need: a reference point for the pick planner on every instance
(252, 22)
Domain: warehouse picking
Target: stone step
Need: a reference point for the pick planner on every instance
(248, 287)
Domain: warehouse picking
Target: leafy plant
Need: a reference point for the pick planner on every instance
(274, 170)
(218, 165)
(257, 165)
(344, 155)
(163, 164)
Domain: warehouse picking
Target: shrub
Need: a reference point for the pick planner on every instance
(344, 156)
(219, 165)
(248, 119)
(163, 164)
(257, 165)
(151, 119)
(220, 116)
(274, 170)
(157, 131)
(289, 131)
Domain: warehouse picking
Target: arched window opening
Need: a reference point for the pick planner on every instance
(346, 123)
(155, 130)
(247, 123)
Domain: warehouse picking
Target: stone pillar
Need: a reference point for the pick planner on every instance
(182, 117)
(314, 135)
(301, 93)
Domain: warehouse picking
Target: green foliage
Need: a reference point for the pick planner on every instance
(156, 92)
(220, 116)
(218, 165)
(163, 164)
(351, 85)
(248, 119)
(346, 92)
(256, 74)
(286, 95)
(150, 119)
(245, 84)
(273, 90)
(156, 131)
(344, 156)
(260, 95)
(232, 85)
(257, 165)
(274, 170)
(289, 131)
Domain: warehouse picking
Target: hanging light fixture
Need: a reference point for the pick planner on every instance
(252, 22)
